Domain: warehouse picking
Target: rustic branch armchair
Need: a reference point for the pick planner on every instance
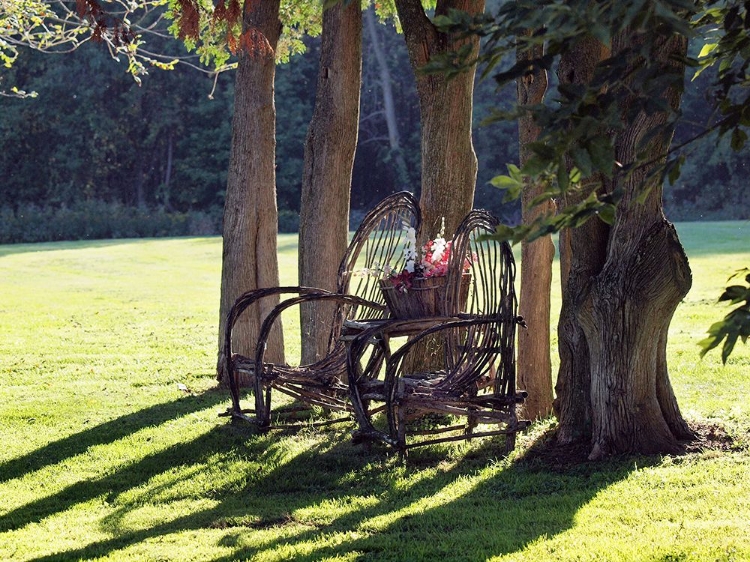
(476, 379)
(378, 242)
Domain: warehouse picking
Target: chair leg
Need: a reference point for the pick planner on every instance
(262, 403)
(396, 413)
(471, 423)
(234, 391)
(510, 442)
(401, 428)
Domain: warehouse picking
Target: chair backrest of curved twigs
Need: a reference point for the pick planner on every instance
(475, 350)
(378, 243)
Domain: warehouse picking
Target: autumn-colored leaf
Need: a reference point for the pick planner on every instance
(234, 12)
(220, 11)
(189, 22)
(232, 43)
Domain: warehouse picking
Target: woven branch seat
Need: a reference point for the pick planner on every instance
(475, 375)
(378, 242)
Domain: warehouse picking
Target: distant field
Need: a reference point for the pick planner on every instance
(106, 457)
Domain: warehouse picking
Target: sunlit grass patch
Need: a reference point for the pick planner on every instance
(112, 447)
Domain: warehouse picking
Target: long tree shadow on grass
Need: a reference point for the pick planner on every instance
(490, 513)
(460, 509)
(131, 476)
(107, 432)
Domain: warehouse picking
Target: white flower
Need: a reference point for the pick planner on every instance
(438, 247)
(410, 249)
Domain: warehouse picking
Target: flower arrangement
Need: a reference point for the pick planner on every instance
(419, 290)
(433, 262)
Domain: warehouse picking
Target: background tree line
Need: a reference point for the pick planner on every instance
(96, 156)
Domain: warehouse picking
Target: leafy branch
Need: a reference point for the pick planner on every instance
(736, 324)
(574, 147)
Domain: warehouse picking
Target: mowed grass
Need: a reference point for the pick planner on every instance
(112, 448)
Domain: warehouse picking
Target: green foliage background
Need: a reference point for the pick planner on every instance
(94, 143)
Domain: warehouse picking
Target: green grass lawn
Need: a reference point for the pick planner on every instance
(106, 456)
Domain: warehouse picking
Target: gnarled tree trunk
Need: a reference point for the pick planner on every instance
(645, 277)
(621, 293)
(329, 158)
(582, 255)
(250, 215)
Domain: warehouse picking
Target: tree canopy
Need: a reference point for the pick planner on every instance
(575, 143)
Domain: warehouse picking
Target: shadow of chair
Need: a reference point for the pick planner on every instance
(379, 241)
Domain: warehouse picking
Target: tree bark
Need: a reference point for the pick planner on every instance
(534, 363)
(249, 258)
(329, 158)
(449, 164)
(582, 256)
(645, 277)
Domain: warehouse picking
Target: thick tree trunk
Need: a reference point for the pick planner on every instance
(534, 363)
(250, 215)
(645, 277)
(329, 158)
(624, 309)
(635, 296)
(582, 256)
(449, 164)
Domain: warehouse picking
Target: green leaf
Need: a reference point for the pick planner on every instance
(575, 175)
(602, 155)
(504, 182)
(607, 213)
(583, 161)
(726, 350)
(674, 167)
(535, 166)
(735, 294)
(503, 233)
(515, 172)
(512, 187)
(739, 137)
(707, 49)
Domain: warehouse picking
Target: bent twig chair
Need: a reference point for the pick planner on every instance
(477, 378)
(378, 242)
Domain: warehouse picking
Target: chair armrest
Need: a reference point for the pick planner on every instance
(247, 299)
(317, 295)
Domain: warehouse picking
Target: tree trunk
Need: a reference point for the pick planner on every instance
(449, 164)
(389, 106)
(623, 286)
(582, 255)
(534, 364)
(249, 258)
(329, 158)
(645, 277)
